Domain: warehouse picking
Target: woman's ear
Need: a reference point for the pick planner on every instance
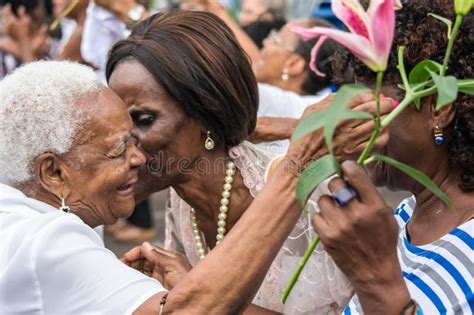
(52, 174)
(443, 117)
(295, 65)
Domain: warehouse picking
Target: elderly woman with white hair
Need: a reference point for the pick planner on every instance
(69, 162)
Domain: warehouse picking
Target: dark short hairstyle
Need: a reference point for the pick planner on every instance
(196, 58)
(258, 31)
(425, 38)
(314, 82)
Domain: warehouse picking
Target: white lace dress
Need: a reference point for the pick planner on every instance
(322, 288)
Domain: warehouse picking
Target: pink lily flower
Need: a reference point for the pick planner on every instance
(371, 32)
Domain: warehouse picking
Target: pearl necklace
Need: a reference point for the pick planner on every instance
(201, 246)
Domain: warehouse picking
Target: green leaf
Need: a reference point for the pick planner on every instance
(328, 118)
(355, 114)
(314, 175)
(447, 88)
(466, 86)
(337, 110)
(420, 73)
(309, 124)
(418, 176)
(448, 23)
(415, 88)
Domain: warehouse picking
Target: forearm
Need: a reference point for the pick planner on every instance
(72, 49)
(248, 249)
(273, 129)
(384, 295)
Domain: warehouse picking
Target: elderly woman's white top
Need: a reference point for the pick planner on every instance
(322, 287)
(53, 263)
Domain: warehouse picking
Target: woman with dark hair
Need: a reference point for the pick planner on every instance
(433, 264)
(191, 92)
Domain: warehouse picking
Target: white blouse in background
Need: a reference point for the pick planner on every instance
(51, 262)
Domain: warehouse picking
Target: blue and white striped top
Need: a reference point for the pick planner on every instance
(439, 276)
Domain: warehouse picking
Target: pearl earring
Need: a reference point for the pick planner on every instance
(63, 206)
(438, 136)
(209, 143)
(284, 75)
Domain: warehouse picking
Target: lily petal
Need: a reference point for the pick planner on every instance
(382, 27)
(353, 15)
(358, 45)
(314, 54)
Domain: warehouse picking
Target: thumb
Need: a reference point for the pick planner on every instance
(162, 258)
(150, 253)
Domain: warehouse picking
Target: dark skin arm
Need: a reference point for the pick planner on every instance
(256, 237)
(72, 49)
(273, 129)
(370, 263)
(169, 268)
(259, 234)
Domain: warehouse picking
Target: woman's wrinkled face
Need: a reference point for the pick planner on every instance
(277, 47)
(171, 139)
(103, 165)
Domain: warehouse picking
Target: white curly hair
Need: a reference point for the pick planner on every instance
(38, 113)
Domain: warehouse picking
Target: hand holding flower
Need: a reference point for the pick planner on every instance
(348, 231)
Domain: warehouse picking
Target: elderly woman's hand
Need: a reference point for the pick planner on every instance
(362, 237)
(165, 266)
(351, 136)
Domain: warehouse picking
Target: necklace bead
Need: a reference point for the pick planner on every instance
(226, 194)
(223, 209)
(201, 246)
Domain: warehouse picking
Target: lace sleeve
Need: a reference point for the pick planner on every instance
(172, 228)
(322, 288)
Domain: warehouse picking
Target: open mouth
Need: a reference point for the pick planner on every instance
(128, 188)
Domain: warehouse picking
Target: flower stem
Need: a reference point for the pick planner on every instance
(409, 97)
(454, 32)
(296, 274)
(401, 68)
(369, 160)
(378, 125)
